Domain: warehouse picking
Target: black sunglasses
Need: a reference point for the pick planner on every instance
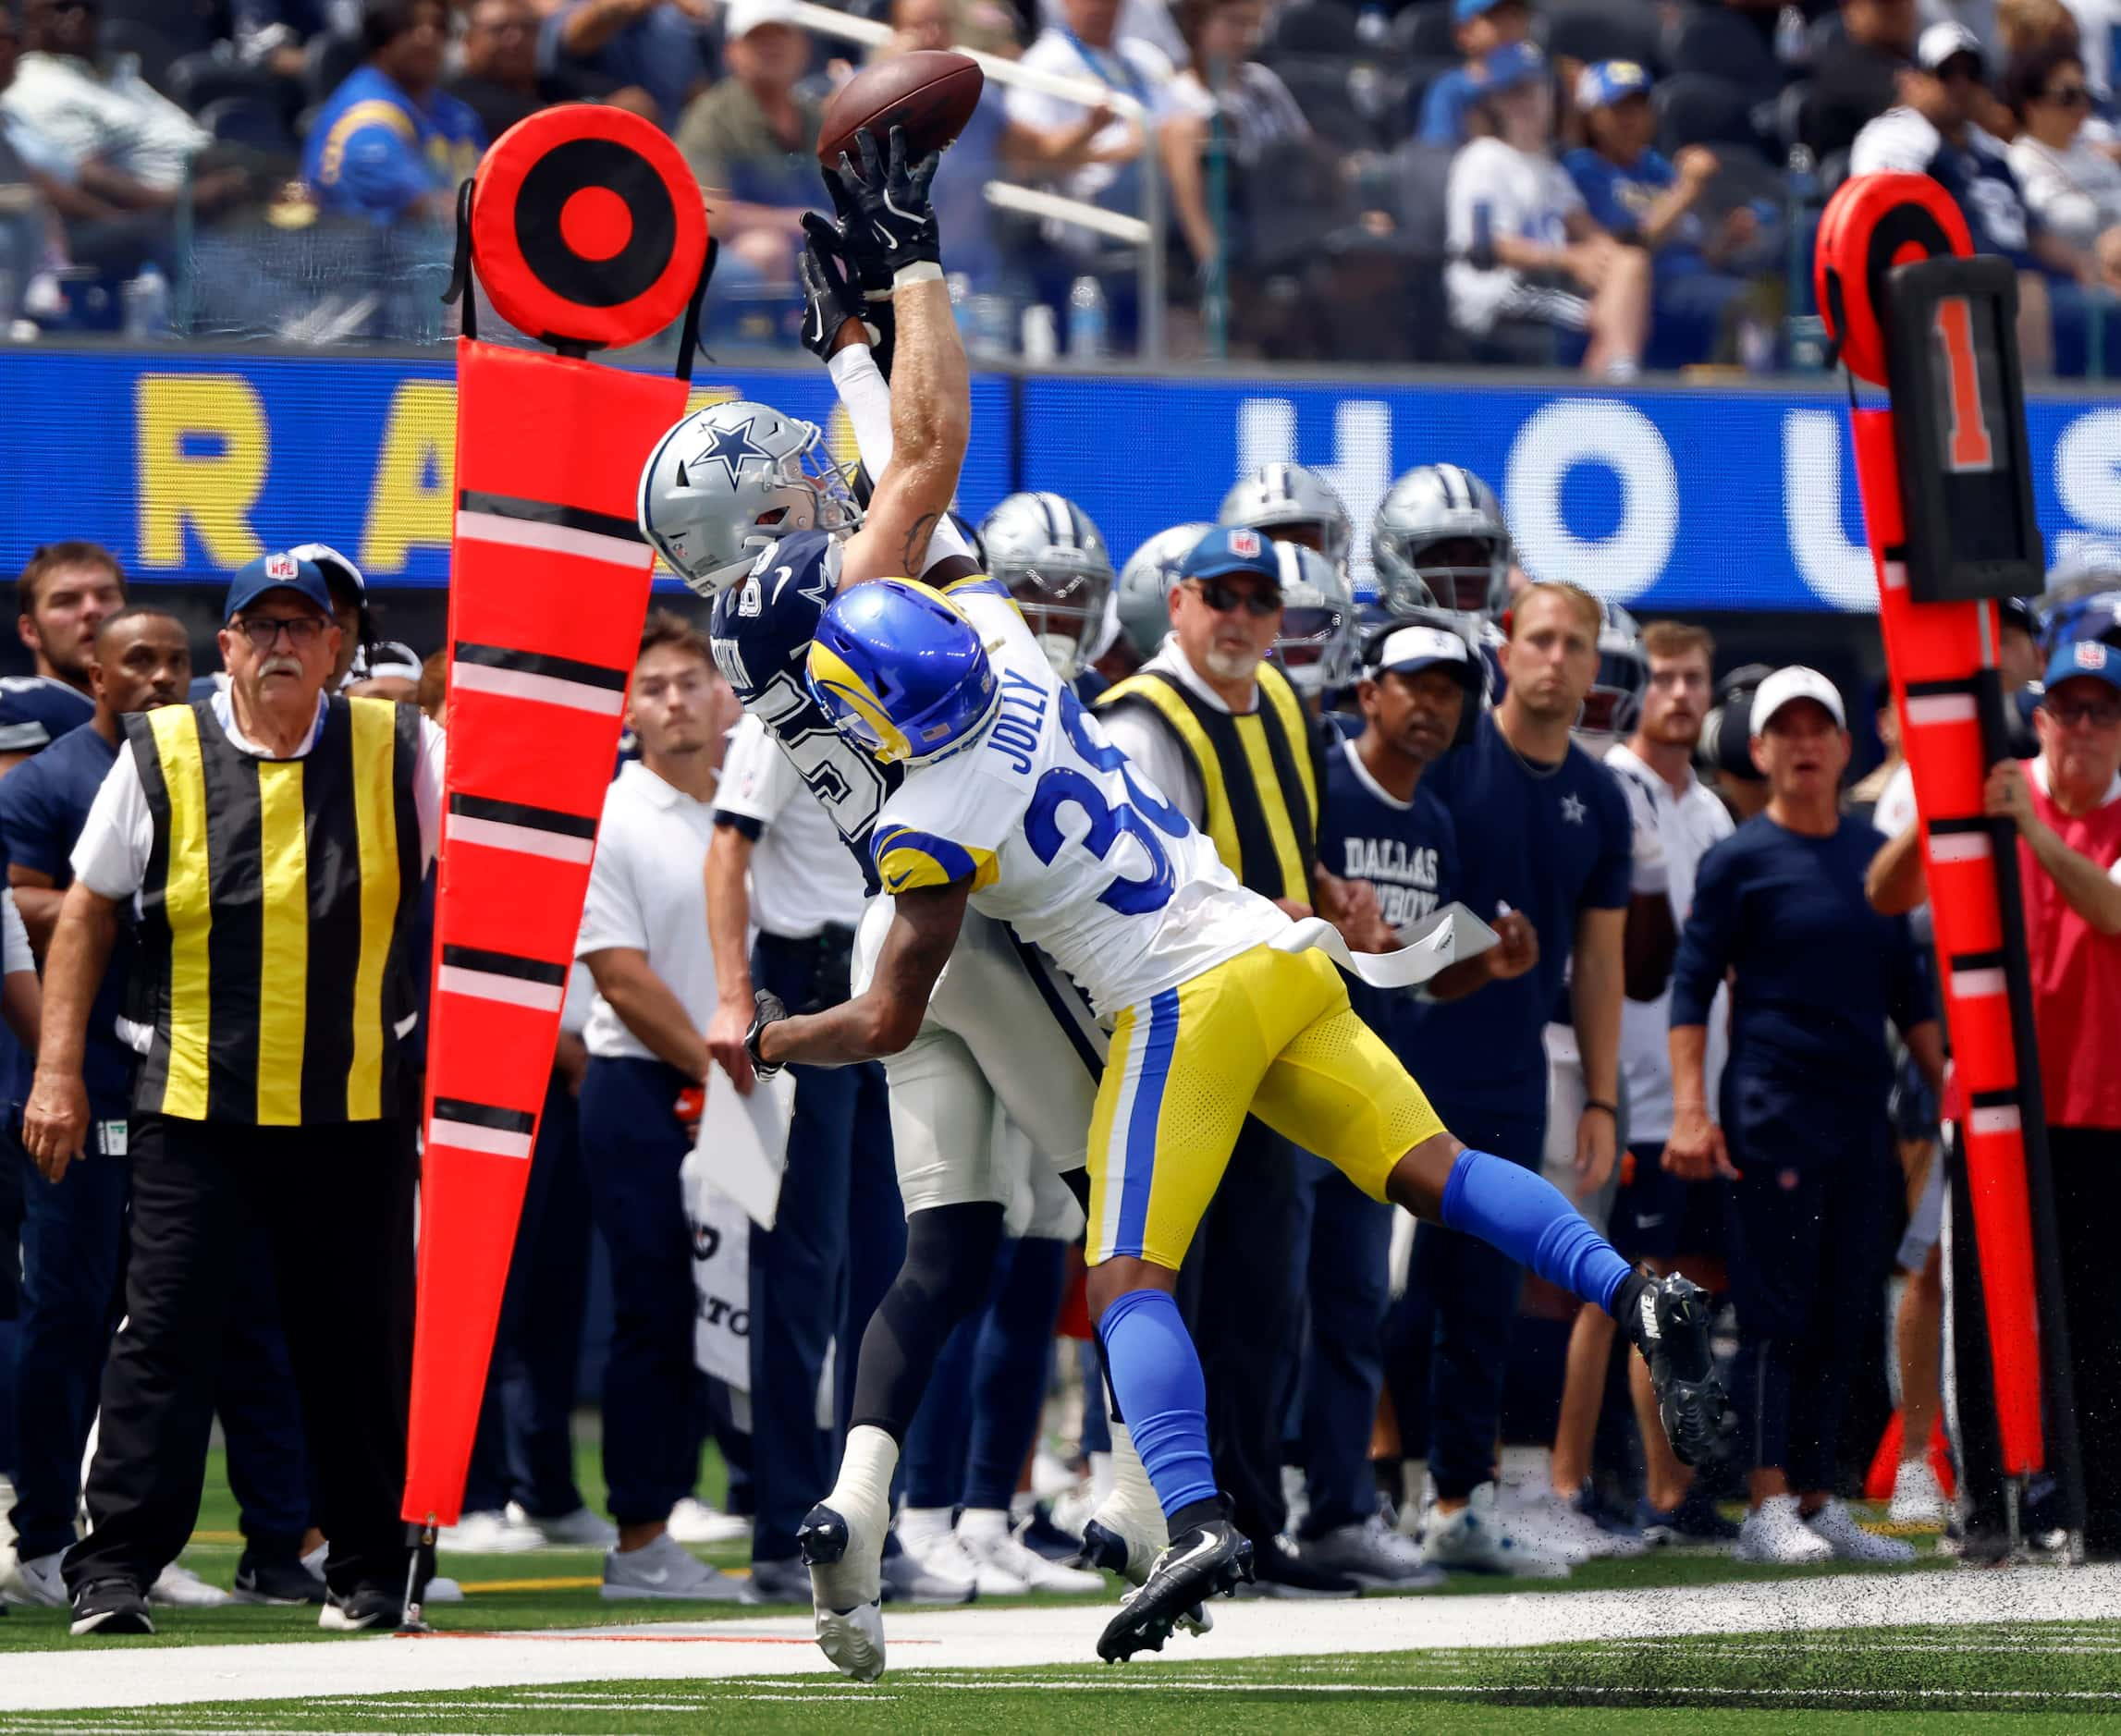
(2071, 96)
(1222, 597)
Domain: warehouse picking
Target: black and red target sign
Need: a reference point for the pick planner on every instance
(1872, 224)
(587, 226)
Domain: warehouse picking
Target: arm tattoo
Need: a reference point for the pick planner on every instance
(915, 549)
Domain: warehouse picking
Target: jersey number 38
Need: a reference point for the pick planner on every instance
(1066, 786)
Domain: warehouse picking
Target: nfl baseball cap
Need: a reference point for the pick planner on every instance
(2093, 658)
(1463, 10)
(280, 571)
(1409, 649)
(1796, 682)
(1512, 64)
(1944, 41)
(1234, 549)
(1610, 82)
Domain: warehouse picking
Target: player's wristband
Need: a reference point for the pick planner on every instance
(920, 271)
(769, 1010)
(1600, 1103)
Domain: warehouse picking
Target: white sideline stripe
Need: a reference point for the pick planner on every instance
(1959, 845)
(979, 1639)
(1975, 984)
(527, 840)
(547, 690)
(456, 979)
(554, 539)
(2001, 1120)
(469, 1136)
(1940, 708)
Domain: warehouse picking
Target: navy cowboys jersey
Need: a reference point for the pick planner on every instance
(36, 710)
(761, 630)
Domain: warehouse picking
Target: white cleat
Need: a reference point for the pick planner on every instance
(179, 1587)
(491, 1531)
(692, 1521)
(1775, 1531)
(844, 1553)
(1851, 1542)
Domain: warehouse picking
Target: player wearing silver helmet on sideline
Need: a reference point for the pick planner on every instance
(1616, 698)
(1316, 648)
(1143, 590)
(1045, 548)
(1291, 504)
(1439, 529)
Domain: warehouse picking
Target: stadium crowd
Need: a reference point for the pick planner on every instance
(1710, 1018)
(1613, 183)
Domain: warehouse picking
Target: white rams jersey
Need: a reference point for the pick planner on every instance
(1064, 839)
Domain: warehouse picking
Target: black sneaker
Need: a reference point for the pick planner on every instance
(111, 1606)
(1670, 1326)
(1694, 1520)
(1203, 1562)
(1039, 1532)
(1280, 1570)
(276, 1579)
(364, 1607)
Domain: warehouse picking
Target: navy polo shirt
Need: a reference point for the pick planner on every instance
(1550, 841)
(43, 805)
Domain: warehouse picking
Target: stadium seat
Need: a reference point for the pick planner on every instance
(259, 122)
(154, 50)
(1603, 30)
(181, 27)
(1725, 44)
(1423, 32)
(1312, 29)
(199, 79)
(326, 60)
(1698, 108)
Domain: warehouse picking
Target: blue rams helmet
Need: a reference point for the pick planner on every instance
(900, 671)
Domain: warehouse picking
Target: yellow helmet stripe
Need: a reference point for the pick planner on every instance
(829, 669)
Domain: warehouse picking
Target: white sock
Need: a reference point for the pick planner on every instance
(1133, 1501)
(865, 1468)
(917, 1524)
(1023, 1504)
(983, 1523)
(1100, 1479)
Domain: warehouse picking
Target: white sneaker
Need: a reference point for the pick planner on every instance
(694, 1521)
(180, 1588)
(442, 1591)
(664, 1569)
(1834, 1524)
(37, 1583)
(1775, 1531)
(1475, 1540)
(1556, 1526)
(985, 1536)
(1049, 1476)
(579, 1530)
(1917, 1498)
(941, 1554)
(490, 1532)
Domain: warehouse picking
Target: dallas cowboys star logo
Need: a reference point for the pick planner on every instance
(732, 449)
(1573, 810)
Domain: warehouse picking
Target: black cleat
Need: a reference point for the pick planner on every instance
(1105, 1550)
(276, 1579)
(363, 1607)
(822, 1537)
(1671, 1329)
(111, 1606)
(1204, 1562)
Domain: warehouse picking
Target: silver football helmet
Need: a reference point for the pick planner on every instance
(1439, 540)
(1143, 590)
(732, 478)
(1054, 562)
(1615, 699)
(1317, 642)
(1291, 504)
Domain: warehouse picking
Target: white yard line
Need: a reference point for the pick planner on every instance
(79, 1676)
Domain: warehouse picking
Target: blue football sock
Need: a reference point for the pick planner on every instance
(1525, 1215)
(1155, 1372)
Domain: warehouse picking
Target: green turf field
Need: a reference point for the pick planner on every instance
(2058, 1677)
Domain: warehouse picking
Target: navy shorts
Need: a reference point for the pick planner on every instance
(1658, 1215)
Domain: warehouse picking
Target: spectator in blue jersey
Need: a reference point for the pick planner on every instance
(1653, 201)
(390, 144)
(1378, 826)
(1933, 132)
(64, 595)
(1815, 972)
(1450, 104)
(1543, 831)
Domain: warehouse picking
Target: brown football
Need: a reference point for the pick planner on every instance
(931, 93)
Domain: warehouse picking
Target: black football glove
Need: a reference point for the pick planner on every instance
(768, 1009)
(892, 219)
(831, 298)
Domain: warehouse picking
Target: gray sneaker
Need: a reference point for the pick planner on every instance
(1374, 1556)
(780, 1582)
(666, 1569)
(907, 1581)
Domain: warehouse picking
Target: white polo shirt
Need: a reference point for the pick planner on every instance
(647, 891)
(110, 856)
(1688, 824)
(803, 874)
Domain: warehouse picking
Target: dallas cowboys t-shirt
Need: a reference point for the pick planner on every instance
(1550, 841)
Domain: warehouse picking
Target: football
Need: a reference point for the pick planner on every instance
(931, 93)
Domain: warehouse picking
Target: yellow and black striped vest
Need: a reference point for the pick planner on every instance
(1258, 778)
(271, 963)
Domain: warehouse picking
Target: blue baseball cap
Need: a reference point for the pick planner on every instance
(2093, 658)
(1512, 64)
(1233, 549)
(1603, 85)
(278, 571)
(1465, 11)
